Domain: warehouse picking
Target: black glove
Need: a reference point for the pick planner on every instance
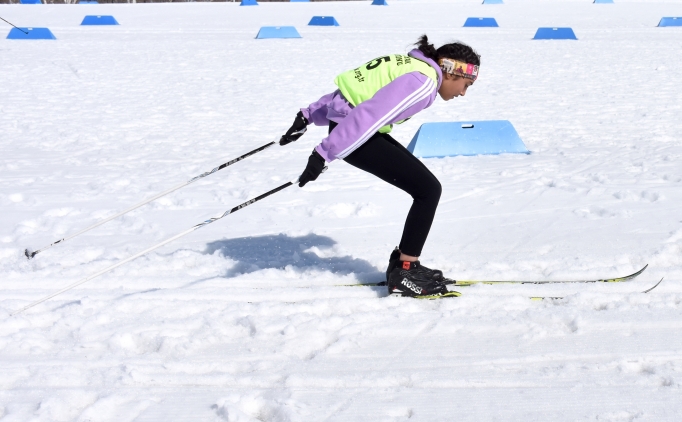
(296, 130)
(316, 165)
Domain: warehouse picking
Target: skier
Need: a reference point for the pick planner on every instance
(361, 112)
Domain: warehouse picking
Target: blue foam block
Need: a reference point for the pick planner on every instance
(603, 1)
(278, 32)
(99, 20)
(33, 34)
(555, 34)
(248, 3)
(323, 21)
(88, 2)
(493, 2)
(671, 21)
(481, 22)
(379, 3)
(466, 138)
(30, 2)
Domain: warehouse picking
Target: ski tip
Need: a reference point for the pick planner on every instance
(627, 277)
(655, 285)
(638, 272)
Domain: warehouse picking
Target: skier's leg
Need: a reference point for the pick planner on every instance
(387, 159)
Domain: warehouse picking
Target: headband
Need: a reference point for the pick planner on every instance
(455, 67)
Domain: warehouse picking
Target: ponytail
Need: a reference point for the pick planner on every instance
(456, 51)
(427, 49)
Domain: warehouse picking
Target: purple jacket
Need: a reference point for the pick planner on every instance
(404, 97)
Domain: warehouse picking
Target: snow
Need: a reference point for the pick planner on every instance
(243, 320)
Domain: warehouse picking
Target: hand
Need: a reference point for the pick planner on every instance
(315, 167)
(296, 130)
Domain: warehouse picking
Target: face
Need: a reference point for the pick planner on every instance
(453, 86)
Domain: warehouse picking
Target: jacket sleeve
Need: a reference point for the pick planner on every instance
(404, 97)
(316, 112)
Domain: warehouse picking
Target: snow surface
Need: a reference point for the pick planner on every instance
(242, 320)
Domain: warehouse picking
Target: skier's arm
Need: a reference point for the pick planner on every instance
(316, 112)
(402, 98)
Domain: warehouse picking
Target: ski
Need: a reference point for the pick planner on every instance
(453, 293)
(561, 297)
(600, 280)
(472, 282)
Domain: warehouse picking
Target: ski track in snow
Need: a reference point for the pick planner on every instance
(241, 320)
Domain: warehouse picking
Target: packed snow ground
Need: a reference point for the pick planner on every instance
(242, 320)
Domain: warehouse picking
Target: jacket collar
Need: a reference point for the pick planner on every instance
(417, 54)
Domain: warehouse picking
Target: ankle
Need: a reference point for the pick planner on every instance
(408, 258)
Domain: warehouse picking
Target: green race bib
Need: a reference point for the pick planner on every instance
(360, 84)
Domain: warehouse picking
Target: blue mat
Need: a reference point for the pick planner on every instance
(555, 34)
(379, 3)
(481, 22)
(99, 20)
(323, 21)
(33, 34)
(450, 139)
(278, 32)
(248, 3)
(493, 2)
(670, 22)
(30, 2)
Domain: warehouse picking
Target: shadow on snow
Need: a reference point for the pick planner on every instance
(277, 251)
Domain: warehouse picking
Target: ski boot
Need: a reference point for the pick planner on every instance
(394, 261)
(412, 279)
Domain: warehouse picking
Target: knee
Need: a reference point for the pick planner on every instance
(437, 190)
(430, 192)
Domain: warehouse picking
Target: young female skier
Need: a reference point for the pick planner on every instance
(371, 98)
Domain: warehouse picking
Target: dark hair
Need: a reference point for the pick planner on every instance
(455, 51)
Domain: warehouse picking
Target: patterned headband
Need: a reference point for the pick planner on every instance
(455, 67)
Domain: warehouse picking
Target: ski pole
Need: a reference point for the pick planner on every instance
(177, 236)
(25, 32)
(30, 254)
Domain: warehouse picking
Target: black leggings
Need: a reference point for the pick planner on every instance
(388, 160)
